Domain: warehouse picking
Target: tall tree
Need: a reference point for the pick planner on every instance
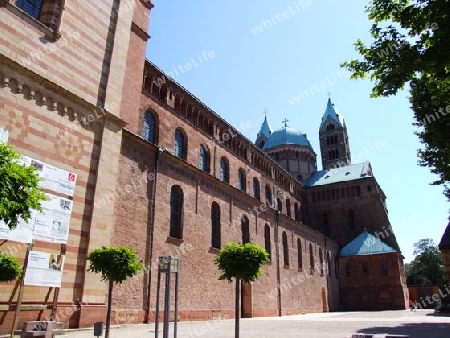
(412, 47)
(243, 262)
(427, 266)
(116, 265)
(19, 188)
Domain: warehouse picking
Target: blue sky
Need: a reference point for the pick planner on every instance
(247, 56)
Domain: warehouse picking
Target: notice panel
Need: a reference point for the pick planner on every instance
(44, 269)
(23, 233)
(52, 225)
(53, 178)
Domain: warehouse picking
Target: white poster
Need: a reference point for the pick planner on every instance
(53, 178)
(44, 269)
(3, 135)
(23, 233)
(52, 225)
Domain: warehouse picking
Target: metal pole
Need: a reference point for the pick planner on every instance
(167, 317)
(177, 280)
(158, 290)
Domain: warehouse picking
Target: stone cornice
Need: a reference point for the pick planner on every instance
(57, 89)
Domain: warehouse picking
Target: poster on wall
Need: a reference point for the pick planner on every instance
(53, 178)
(3, 135)
(52, 225)
(23, 233)
(44, 269)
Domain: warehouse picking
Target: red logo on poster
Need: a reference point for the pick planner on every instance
(71, 177)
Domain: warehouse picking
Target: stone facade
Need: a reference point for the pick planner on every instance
(69, 101)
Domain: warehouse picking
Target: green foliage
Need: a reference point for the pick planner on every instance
(19, 188)
(116, 264)
(410, 47)
(241, 261)
(10, 268)
(428, 265)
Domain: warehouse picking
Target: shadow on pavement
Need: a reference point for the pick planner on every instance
(414, 330)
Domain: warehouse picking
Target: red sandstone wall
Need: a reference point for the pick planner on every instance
(373, 291)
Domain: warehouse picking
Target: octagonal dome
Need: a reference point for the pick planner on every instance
(287, 136)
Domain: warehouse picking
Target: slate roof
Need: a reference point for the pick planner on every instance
(365, 244)
(331, 111)
(266, 129)
(285, 136)
(342, 174)
(445, 240)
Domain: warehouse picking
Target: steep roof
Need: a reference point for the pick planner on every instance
(266, 129)
(365, 244)
(445, 240)
(285, 136)
(332, 112)
(342, 174)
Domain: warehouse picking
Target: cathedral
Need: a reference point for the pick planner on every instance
(137, 160)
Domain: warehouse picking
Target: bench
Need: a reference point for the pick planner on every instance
(377, 335)
(46, 329)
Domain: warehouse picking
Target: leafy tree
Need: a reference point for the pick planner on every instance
(116, 264)
(10, 268)
(19, 189)
(427, 266)
(410, 47)
(244, 263)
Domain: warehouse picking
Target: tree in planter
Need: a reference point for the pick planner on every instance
(19, 188)
(244, 263)
(10, 268)
(116, 264)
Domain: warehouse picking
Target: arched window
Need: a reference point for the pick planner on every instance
(149, 127)
(179, 148)
(311, 259)
(285, 249)
(351, 220)
(348, 269)
(176, 212)
(321, 261)
(299, 254)
(288, 207)
(268, 196)
(245, 227)
(326, 225)
(256, 192)
(267, 242)
(384, 268)
(241, 180)
(336, 272)
(224, 173)
(365, 269)
(48, 12)
(215, 225)
(33, 8)
(329, 263)
(279, 204)
(204, 158)
(296, 212)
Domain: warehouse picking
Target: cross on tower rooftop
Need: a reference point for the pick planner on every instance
(285, 121)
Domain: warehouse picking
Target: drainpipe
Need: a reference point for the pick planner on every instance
(159, 151)
(277, 254)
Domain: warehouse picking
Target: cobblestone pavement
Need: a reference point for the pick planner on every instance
(418, 324)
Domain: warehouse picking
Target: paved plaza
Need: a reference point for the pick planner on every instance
(418, 324)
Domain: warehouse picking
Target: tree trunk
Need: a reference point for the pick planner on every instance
(108, 311)
(237, 309)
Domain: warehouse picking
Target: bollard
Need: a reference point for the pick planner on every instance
(98, 329)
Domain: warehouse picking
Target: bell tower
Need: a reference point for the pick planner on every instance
(334, 146)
